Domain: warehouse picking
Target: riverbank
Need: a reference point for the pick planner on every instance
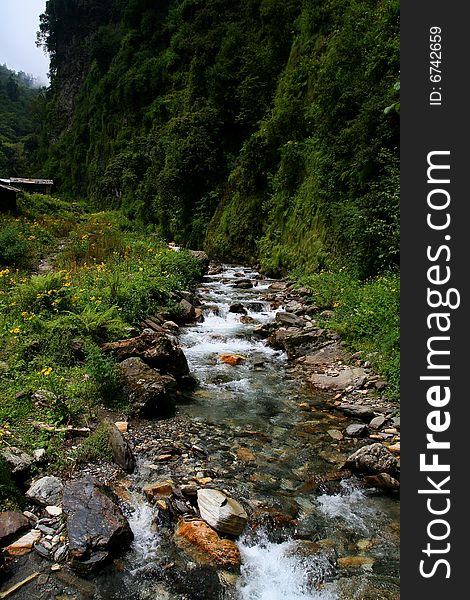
(255, 431)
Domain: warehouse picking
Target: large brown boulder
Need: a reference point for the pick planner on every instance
(11, 524)
(158, 350)
(203, 544)
(149, 392)
(96, 527)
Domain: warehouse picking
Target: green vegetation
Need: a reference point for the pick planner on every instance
(105, 275)
(264, 131)
(96, 447)
(366, 314)
(20, 112)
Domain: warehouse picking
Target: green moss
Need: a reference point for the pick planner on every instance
(96, 447)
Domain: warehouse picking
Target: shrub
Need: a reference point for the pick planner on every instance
(105, 375)
(95, 448)
(366, 314)
(14, 248)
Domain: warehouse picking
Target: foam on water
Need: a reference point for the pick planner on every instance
(273, 572)
(146, 539)
(351, 505)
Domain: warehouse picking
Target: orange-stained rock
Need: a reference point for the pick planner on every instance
(245, 454)
(355, 561)
(122, 426)
(158, 489)
(231, 359)
(204, 544)
(24, 544)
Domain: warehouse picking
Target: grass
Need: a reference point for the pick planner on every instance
(109, 273)
(367, 316)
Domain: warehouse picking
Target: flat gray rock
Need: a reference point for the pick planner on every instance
(374, 459)
(222, 513)
(46, 491)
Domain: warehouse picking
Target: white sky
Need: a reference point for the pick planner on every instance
(19, 22)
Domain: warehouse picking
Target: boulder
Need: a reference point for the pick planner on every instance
(158, 489)
(187, 312)
(256, 306)
(96, 527)
(158, 350)
(46, 491)
(325, 356)
(25, 544)
(11, 524)
(383, 481)
(122, 453)
(278, 286)
(348, 376)
(360, 411)
(18, 461)
(356, 429)
(243, 284)
(289, 319)
(238, 308)
(214, 269)
(204, 545)
(377, 422)
(295, 307)
(299, 342)
(374, 459)
(222, 513)
(231, 359)
(150, 393)
(201, 256)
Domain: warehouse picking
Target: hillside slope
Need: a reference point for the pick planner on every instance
(261, 129)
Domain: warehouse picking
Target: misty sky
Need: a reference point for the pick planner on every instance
(19, 21)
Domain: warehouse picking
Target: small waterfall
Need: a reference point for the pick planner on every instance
(146, 538)
(273, 571)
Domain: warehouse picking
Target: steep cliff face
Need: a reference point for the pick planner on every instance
(72, 32)
(262, 129)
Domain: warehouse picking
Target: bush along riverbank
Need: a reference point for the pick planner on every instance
(71, 281)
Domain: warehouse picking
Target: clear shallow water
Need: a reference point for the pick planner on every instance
(260, 407)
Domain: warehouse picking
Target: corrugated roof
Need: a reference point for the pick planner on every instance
(10, 188)
(31, 181)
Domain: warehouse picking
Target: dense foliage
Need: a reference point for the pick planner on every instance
(20, 114)
(262, 129)
(101, 275)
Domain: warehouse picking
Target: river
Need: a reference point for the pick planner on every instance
(267, 449)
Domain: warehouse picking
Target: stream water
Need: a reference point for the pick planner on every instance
(267, 438)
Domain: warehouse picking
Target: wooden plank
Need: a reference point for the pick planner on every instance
(17, 586)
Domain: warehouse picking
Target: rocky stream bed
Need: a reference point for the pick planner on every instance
(262, 463)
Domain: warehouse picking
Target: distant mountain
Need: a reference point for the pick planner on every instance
(21, 102)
